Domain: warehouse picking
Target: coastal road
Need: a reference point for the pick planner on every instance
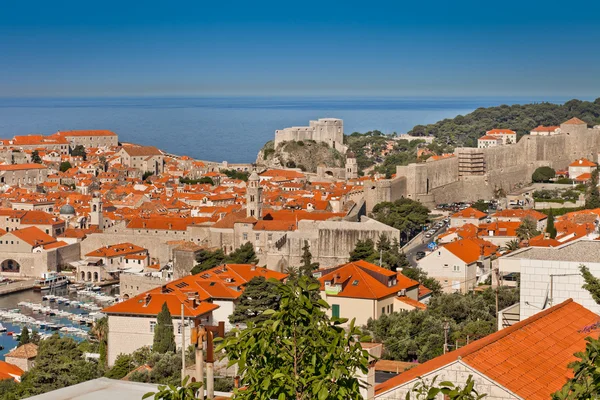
(420, 244)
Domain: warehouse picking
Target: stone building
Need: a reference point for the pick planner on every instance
(325, 130)
(89, 138)
(23, 356)
(143, 158)
(26, 175)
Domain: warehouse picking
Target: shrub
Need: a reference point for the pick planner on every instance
(543, 174)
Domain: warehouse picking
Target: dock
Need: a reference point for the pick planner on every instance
(15, 287)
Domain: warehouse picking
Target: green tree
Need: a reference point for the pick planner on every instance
(24, 339)
(592, 199)
(35, 337)
(35, 157)
(298, 352)
(245, 254)
(307, 266)
(364, 250)
(59, 363)
(527, 229)
(512, 245)
(100, 332)
(164, 338)
(147, 175)
(592, 284)
(550, 229)
(187, 391)
(123, 365)
(406, 215)
(421, 276)
(65, 166)
(207, 259)
(79, 151)
(480, 205)
(543, 174)
(423, 390)
(259, 295)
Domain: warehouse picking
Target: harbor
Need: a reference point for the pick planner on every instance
(69, 311)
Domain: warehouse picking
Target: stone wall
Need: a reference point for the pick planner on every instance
(131, 285)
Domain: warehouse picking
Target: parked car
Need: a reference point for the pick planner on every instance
(420, 254)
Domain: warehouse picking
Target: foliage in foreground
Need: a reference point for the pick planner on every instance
(298, 352)
(207, 259)
(430, 391)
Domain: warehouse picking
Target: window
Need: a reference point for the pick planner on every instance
(382, 310)
(270, 236)
(258, 236)
(152, 325)
(245, 236)
(335, 310)
(456, 268)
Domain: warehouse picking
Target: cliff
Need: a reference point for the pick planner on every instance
(306, 155)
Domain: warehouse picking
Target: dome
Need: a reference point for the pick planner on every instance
(67, 209)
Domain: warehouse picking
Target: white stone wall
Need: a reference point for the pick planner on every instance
(457, 373)
(535, 285)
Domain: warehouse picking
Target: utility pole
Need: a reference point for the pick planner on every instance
(446, 329)
(497, 272)
(182, 345)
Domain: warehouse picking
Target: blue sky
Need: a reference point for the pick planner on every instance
(412, 48)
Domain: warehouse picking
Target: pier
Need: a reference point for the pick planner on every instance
(18, 286)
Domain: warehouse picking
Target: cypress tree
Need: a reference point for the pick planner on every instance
(24, 337)
(308, 266)
(550, 229)
(164, 338)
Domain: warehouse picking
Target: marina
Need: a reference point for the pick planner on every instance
(68, 311)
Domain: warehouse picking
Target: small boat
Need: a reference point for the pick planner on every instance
(10, 333)
(2, 328)
(96, 288)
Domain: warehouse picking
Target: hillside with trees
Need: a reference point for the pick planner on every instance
(464, 130)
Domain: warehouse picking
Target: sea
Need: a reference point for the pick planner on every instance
(229, 129)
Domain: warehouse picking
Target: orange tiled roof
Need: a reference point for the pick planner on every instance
(575, 121)
(9, 371)
(20, 167)
(543, 128)
(469, 213)
(501, 132)
(411, 302)
(583, 162)
(522, 214)
(28, 350)
(469, 250)
(116, 250)
(86, 133)
(358, 280)
(583, 177)
(33, 236)
(529, 358)
(488, 137)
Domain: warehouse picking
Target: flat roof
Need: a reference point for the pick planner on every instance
(577, 251)
(100, 389)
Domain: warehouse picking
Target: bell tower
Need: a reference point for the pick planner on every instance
(254, 196)
(96, 217)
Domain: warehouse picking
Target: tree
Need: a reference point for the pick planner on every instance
(527, 229)
(480, 205)
(24, 339)
(512, 245)
(364, 250)
(550, 229)
(164, 338)
(187, 391)
(258, 296)
(592, 284)
(298, 352)
(430, 391)
(421, 276)
(406, 215)
(307, 266)
(592, 199)
(79, 151)
(35, 337)
(245, 254)
(543, 174)
(123, 365)
(65, 166)
(59, 363)
(208, 259)
(100, 332)
(147, 175)
(35, 157)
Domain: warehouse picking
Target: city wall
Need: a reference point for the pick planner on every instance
(506, 167)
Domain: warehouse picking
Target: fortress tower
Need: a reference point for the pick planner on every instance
(325, 130)
(254, 196)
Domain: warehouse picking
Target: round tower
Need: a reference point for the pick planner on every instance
(254, 196)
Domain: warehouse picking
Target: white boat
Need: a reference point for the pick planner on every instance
(51, 280)
(2, 328)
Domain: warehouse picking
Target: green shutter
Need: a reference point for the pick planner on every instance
(335, 310)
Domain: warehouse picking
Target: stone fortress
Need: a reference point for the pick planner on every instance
(324, 130)
(474, 173)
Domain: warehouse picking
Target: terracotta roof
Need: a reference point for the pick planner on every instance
(471, 249)
(469, 213)
(583, 162)
(583, 177)
(283, 173)
(488, 137)
(363, 280)
(543, 128)
(529, 358)
(33, 236)
(120, 249)
(10, 371)
(86, 133)
(521, 214)
(20, 167)
(411, 302)
(575, 121)
(501, 132)
(28, 350)
(140, 151)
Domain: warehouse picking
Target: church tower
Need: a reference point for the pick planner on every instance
(96, 217)
(351, 166)
(254, 196)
